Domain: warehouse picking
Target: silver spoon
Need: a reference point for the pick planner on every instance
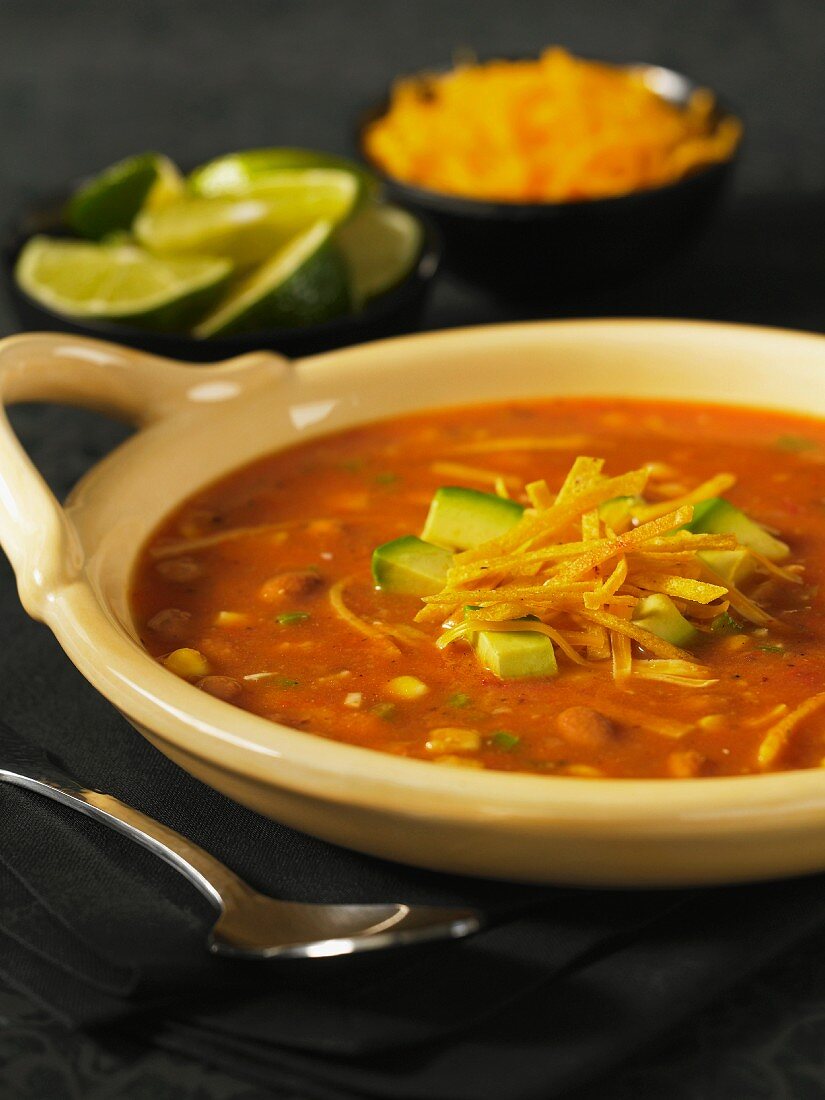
(249, 925)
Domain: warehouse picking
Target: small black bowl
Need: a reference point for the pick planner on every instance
(537, 250)
(394, 313)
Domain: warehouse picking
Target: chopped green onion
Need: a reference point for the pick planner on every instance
(504, 740)
(271, 678)
(385, 479)
(459, 700)
(290, 617)
(725, 624)
(795, 443)
(384, 710)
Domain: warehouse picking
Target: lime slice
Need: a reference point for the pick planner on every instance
(249, 229)
(381, 245)
(119, 282)
(241, 173)
(304, 283)
(111, 201)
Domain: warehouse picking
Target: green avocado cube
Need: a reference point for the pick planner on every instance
(410, 566)
(660, 615)
(516, 654)
(462, 519)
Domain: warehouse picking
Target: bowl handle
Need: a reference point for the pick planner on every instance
(35, 531)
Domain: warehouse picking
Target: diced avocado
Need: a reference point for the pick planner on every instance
(733, 566)
(516, 654)
(700, 510)
(464, 518)
(410, 566)
(660, 615)
(618, 511)
(719, 517)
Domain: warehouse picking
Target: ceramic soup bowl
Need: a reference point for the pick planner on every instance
(74, 563)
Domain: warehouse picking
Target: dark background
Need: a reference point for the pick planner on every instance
(82, 84)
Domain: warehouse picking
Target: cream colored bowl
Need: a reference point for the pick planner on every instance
(73, 568)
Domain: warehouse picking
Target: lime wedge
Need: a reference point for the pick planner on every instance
(119, 282)
(111, 201)
(241, 173)
(381, 245)
(249, 229)
(304, 283)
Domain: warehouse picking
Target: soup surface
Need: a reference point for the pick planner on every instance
(259, 590)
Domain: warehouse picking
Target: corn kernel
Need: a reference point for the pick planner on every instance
(458, 761)
(684, 765)
(450, 739)
(189, 664)
(713, 723)
(407, 687)
(231, 618)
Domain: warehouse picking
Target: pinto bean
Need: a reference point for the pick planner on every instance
(179, 570)
(222, 687)
(297, 583)
(171, 622)
(684, 764)
(585, 727)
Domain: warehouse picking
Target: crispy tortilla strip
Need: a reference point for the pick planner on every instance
(483, 597)
(526, 443)
(191, 546)
(543, 525)
(587, 638)
(740, 604)
(645, 638)
(686, 540)
(539, 495)
(608, 588)
(790, 573)
(369, 630)
(769, 716)
(712, 488)
(591, 525)
(608, 548)
(404, 632)
(681, 673)
(460, 630)
(686, 589)
(600, 648)
(525, 564)
(439, 613)
(665, 727)
(584, 474)
(620, 652)
(775, 740)
(644, 559)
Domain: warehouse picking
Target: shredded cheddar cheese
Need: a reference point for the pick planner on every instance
(552, 130)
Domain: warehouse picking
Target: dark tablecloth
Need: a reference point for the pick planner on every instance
(83, 84)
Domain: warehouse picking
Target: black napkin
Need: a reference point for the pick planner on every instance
(108, 937)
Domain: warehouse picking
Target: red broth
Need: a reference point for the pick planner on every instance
(242, 573)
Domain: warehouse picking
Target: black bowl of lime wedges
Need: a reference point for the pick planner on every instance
(287, 249)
